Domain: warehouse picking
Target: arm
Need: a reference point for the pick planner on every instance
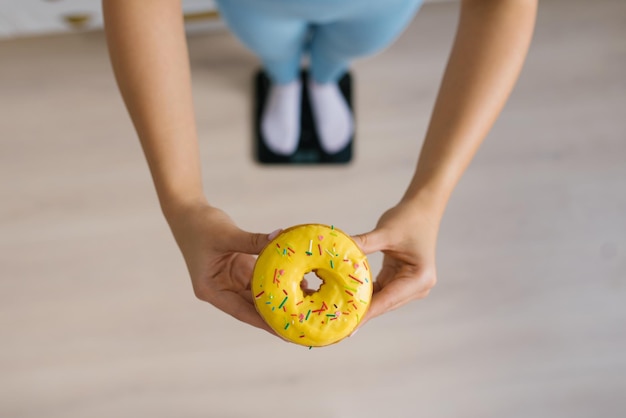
(489, 49)
(487, 56)
(148, 52)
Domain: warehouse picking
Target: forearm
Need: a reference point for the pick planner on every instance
(148, 52)
(487, 55)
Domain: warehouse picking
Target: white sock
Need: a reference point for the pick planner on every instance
(280, 123)
(332, 115)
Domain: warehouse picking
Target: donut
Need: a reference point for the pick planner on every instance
(327, 315)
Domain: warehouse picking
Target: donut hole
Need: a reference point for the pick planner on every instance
(311, 283)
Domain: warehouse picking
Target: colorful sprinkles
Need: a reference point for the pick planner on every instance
(294, 319)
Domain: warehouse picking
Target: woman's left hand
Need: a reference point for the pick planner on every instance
(407, 236)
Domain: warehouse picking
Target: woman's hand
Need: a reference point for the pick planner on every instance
(407, 236)
(219, 260)
(487, 55)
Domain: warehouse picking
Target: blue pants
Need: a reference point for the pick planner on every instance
(332, 32)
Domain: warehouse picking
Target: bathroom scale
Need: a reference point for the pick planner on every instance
(309, 150)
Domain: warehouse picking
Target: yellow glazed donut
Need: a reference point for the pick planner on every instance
(328, 315)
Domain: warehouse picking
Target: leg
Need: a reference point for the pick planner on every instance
(279, 43)
(333, 47)
(336, 44)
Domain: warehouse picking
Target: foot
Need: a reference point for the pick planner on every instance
(332, 115)
(280, 123)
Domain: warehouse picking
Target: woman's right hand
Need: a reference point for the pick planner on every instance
(219, 258)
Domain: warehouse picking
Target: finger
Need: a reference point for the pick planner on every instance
(274, 234)
(247, 296)
(238, 271)
(371, 242)
(237, 307)
(392, 296)
(252, 243)
(384, 276)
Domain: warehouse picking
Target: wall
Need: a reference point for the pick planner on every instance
(38, 17)
(41, 17)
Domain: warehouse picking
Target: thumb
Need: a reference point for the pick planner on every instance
(253, 243)
(370, 242)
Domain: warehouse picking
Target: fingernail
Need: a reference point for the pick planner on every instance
(274, 234)
(355, 331)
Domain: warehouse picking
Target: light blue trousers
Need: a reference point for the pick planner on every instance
(331, 32)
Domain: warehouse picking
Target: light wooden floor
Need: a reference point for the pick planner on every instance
(97, 317)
